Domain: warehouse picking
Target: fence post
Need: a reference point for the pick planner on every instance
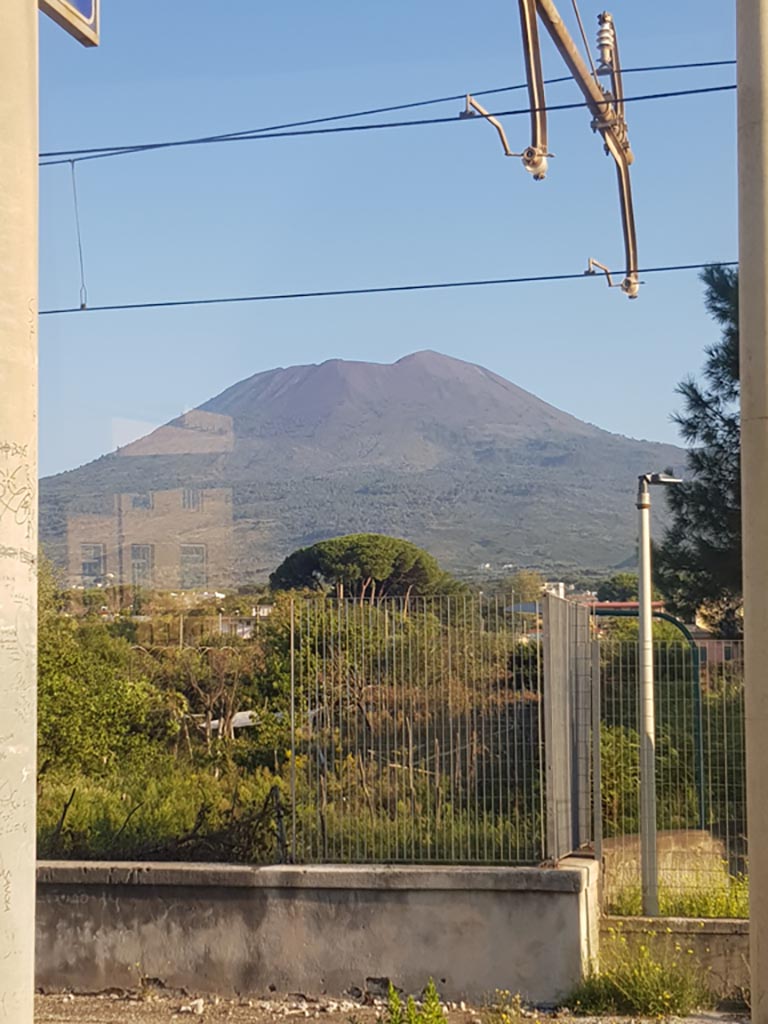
(293, 731)
(597, 782)
(568, 722)
(579, 655)
(557, 728)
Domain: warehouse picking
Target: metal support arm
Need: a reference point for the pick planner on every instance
(607, 107)
(534, 161)
(535, 157)
(472, 107)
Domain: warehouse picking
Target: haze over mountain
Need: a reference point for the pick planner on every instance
(431, 448)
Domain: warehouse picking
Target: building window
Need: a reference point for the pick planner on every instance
(93, 562)
(191, 499)
(193, 562)
(142, 564)
(142, 500)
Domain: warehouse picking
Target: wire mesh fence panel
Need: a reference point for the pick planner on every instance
(700, 777)
(567, 661)
(417, 732)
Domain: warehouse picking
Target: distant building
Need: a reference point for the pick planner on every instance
(178, 539)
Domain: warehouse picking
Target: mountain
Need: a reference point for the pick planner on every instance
(434, 449)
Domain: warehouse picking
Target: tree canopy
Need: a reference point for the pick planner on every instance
(363, 565)
(698, 563)
(622, 586)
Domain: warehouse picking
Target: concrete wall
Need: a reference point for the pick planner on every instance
(720, 945)
(237, 930)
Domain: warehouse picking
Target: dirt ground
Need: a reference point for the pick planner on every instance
(154, 1008)
(160, 1008)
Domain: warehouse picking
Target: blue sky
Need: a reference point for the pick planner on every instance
(390, 207)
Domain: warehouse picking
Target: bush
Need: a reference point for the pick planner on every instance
(160, 810)
(635, 978)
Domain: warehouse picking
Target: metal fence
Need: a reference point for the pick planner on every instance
(567, 656)
(700, 776)
(463, 730)
(417, 731)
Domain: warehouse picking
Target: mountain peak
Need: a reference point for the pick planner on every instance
(432, 448)
(426, 356)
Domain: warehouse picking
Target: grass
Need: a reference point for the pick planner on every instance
(646, 977)
(161, 810)
(706, 897)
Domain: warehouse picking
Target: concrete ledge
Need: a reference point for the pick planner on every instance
(569, 877)
(679, 925)
(238, 930)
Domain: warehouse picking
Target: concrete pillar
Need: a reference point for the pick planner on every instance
(18, 503)
(752, 19)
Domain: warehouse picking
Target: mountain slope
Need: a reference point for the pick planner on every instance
(431, 448)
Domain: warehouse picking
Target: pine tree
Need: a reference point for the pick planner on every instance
(698, 564)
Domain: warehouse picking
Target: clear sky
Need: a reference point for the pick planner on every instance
(376, 208)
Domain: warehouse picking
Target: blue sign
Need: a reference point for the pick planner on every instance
(79, 17)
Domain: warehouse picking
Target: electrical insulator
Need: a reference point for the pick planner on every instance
(536, 163)
(606, 40)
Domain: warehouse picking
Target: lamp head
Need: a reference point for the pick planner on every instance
(663, 479)
(646, 479)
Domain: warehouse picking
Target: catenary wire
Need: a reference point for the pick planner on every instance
(584, 39)
(76, 205)
(101, 152)
(672, 94)
(379, 290)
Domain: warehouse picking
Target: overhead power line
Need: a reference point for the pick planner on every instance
(379, 290)
(55, 157)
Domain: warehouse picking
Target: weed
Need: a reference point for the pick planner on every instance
(394, 1010)
(431, 1010)
(504, 1008)
(428, 1012)
(705, 897)
(644, 978)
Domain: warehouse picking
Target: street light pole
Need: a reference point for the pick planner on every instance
(648, 863)
(648, 866)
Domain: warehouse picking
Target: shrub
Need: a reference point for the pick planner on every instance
(636, 978)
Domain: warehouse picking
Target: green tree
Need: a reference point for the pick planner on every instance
(91, 715)
(363, 565)
(698, 563)
(526, 585)
(623, 586)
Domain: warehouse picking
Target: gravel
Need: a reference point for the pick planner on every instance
(153, 1008)
(160, 1007)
